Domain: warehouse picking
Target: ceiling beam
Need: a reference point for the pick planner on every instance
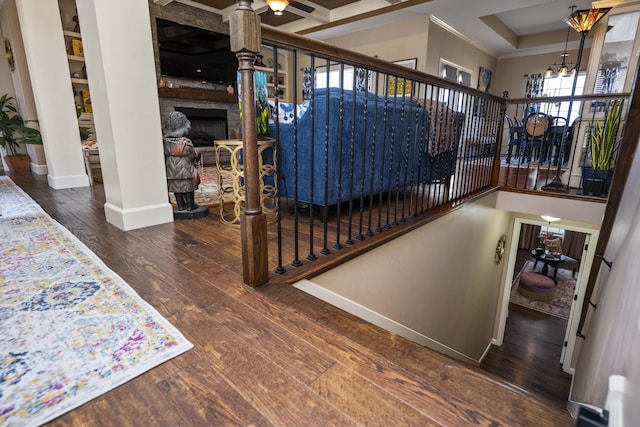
(162, 2)
(501, 29)
(365, 15)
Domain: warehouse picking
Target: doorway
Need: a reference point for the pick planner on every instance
(531, 330)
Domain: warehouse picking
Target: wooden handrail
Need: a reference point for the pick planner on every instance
(576, 98)
(271, 35)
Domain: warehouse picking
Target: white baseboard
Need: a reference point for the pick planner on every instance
(380, 320)
(486, 350)
(39, 169)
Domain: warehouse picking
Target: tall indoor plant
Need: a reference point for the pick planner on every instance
(13, 132)
(603, 143)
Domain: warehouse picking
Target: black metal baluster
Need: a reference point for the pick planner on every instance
(363, 158)
(296, 244)
(431, 131)
(280, 268)
(349, 240)
(384, 155)
(473, 178)
(338, 244)
(311, 256)
(423, 123)
(373, 155)
(399, 184)
(325, 208)
(409, 156)
(391, 161)
(460, 134)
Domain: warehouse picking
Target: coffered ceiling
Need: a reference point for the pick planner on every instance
(502, 28)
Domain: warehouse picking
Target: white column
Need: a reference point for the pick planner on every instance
(46, 56)
(116, 37)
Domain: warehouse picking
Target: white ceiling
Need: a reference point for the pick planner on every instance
(521, 17)
(499, 27)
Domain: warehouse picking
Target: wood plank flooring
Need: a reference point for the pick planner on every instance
(273, 355)
(530, 354)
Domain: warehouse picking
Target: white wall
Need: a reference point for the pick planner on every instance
(399, 40)
(511, 73)
(445, 45)
(17, 83)
(612, 346)
(440, 282)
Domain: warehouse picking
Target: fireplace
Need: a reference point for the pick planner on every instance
(207, 125)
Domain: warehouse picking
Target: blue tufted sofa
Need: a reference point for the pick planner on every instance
(387, 150)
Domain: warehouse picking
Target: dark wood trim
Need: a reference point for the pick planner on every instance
(366, 15)
(628, 148)
(347, 253)
(245, 42)
(557, 194)
(576, 98)
(197, 94)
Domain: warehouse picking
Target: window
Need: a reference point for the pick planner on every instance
(334, 77)
(455, 73)
(617, 53)
(562, 86)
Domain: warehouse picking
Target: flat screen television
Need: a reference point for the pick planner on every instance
(195, 53)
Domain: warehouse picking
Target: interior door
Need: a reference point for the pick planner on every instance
(578, 301)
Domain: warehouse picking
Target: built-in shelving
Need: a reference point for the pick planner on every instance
(272, 74)
(76, 60)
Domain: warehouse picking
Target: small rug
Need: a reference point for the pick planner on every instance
(71, 328)
(560, 305)
(207, 192)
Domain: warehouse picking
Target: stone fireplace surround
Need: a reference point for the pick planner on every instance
(167, 105)
(188, 15)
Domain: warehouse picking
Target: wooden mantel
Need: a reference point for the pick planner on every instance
(197, 94)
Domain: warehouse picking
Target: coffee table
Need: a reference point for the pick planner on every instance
(548, 261)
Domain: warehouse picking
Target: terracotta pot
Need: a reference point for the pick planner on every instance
(19, 163)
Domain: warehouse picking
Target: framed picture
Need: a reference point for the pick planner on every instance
(393, 83)
(484, 79)
(484, 84)
(409, 63)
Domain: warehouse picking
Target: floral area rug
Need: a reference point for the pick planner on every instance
(70, 328)
(560, 305)
(207, 193)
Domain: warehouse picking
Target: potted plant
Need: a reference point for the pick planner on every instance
(13, 132)
(603, 143)
(85, 132)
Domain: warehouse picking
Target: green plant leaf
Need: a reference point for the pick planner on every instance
(603, 138)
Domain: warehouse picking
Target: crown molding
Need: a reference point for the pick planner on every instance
(439, 22)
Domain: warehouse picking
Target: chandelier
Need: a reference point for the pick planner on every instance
(563, 70)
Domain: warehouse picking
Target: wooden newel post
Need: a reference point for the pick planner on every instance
(246, 41)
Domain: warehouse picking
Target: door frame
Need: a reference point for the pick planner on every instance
(580, 290)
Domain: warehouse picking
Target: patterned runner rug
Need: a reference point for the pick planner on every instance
(560, 305)
(71, 328)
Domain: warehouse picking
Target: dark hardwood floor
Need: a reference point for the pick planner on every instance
(530, 354)
(273, 355)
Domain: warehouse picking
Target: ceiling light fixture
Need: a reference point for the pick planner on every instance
(549, 218)
(564, 68)
(277, 6)
(584, 20)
